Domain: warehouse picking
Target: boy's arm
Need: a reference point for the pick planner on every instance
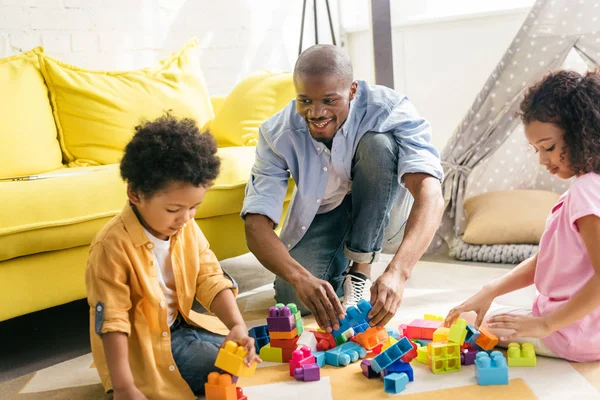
(116, 352)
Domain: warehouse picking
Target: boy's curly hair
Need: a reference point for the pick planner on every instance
(570, 101)
(169, 150)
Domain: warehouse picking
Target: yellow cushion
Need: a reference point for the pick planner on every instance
(508, 216)
(96, 111)
(253, 101)
(28, 138)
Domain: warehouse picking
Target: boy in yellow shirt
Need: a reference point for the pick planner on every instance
(147, 265)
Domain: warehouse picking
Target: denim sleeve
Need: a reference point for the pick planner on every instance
(268, 182)
(413, 135)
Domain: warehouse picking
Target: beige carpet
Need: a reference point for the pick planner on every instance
(434, 288)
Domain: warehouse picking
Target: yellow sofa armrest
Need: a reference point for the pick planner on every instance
(217, 102)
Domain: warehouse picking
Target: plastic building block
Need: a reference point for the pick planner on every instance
(301, 357)
(421, 329)
(360, 327)
(395, 383)
(422, 342)
(344, 354)
(411, 355)
(393, 333)
(422, 355)
(271, 354)
(260, 335)
(467, 356)
(377, 349)
(240, 394)
(285, 343)
(399, 367)
(320, 358)
(486, 339)
(394, 353)
(401, 329)
(472, 334)
(307, 339)
(280, 319)
(286, 355)
(458, 331)
(297, 317)
(371, 337)
(491, 369)
(432, 317)
(367, 369)
(444, 357)
(325, 341)
(355, 315)
(521, 356)
(283, 335)
(220, 387)
(389, 342)
(231, 359)
(307, 373)
(441, 334)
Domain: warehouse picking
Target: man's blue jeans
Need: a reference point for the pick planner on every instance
(354, 231)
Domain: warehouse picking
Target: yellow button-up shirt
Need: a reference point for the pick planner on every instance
(125, 296)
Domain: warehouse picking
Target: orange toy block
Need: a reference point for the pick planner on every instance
(231, 359)
(486, 340)
(284, 335)
(220, 387)
(372, 337)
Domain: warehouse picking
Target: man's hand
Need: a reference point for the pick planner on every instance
(522, 325)
(320, 298)
(386, 296)
(129, 393)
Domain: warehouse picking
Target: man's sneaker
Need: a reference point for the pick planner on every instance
(357, 286)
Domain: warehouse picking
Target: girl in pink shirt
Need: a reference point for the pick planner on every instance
(561, 114)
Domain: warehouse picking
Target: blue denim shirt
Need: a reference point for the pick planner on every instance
(286, 147)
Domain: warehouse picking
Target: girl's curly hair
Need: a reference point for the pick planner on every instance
(570, 101)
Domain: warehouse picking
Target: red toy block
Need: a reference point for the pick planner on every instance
(411, 355)
(421, 329)
(377, 349)
(220, 387)
(286, 354)
(240, 394)
(285, 343)
(301, 357)
(325, 341)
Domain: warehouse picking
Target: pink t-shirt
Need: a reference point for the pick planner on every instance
(564, 267)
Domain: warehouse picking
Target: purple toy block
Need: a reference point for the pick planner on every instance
(467, 356)
(308, 373)
(367, 371)
(399, 367)
(280, 319)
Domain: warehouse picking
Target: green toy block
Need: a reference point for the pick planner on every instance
(422, 355)
(444, 357)
(299, 324)
(521, 356)
(340, 339)
(458, 332)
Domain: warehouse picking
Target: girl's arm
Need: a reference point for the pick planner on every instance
(587, 299)
(521, 276)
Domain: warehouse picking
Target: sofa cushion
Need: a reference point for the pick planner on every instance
(96, 111)
(67, 209)
(254, 100)
(29, 143)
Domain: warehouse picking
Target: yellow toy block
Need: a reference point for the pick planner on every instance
(521, 356)
(284, 335)
(432, 317)
(388, 343)
(272, 354)
(443, 357)
(231, 359)
(422, 355)
(441, 334)
(458, 331)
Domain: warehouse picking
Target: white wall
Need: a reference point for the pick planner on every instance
(237, 37)
(442, 54)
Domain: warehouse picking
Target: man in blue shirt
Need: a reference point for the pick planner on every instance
(357, 154)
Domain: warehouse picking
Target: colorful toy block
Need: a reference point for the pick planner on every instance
(220, 387)
(367, 369)
(240, 394)
(472, 334)
(486, 339)
(377, 349)
(399, 367)
(444, 357)
(422, 342)
(344, 354)
(360, 327)
(401, 329)
(307, 339)
(458, 331)
(521, 356)
(231, 359)
(283, 334)
(280, 319)
(422, 355)
(355, 315)
(260, 335)
(395, 383)
(421, 329)
(320, 358)
(491, 369)
(286, 355)
(297, 317)
(431, 317)
(285, 343)
(411, 355)
(371, 337)
(389, 342)
(441, 334)
(467, 356)
(394, 333)
(394, 353)
(301, 357)
(274, 354)
(308, 373)
(325, 341)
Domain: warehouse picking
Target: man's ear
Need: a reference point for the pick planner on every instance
(353, 88)
(133, 196)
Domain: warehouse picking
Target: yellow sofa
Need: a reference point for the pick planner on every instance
(62, 131)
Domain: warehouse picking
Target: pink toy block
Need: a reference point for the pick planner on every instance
(308, 373)
(281, 319)
(301, 357)
(421, 329)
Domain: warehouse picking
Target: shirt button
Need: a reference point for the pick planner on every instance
(324, 168)
(303, 228)
(318, 201)
(165, 334)
(162, 303)
(289, 245)
(318, 149)
(149, 245)
(171, 368)
(326, 151)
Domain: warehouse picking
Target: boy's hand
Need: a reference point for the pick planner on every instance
(129, 393)
(480, 303)
(239, 334)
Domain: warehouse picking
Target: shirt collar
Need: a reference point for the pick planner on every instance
(134, 228)
(343, 129)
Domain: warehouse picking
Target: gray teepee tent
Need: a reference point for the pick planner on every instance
(487, 150)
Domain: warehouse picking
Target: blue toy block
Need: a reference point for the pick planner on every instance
(395, 383)
(345, 354)
(491, 370)
(472, 334)
(355, 315)
(360, 328)
(393, 333)
(391, 354)
(320, 358)
(399, 367)
(260, 335)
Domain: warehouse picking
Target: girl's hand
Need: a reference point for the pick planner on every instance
(480, 303)
(239, 334)
(523, 326)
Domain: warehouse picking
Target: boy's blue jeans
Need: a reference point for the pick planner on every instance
(354, 231)
(195, 352)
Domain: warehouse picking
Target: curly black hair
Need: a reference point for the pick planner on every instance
(169, 150)
(570, 101)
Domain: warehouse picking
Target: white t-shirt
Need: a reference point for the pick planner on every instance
(337, 189)
(164, 269)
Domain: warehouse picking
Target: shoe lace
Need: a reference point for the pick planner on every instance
(358, 287)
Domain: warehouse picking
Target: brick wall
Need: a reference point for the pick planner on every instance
(237, 37)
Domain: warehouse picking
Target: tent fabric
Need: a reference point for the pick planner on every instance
(554, 32)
